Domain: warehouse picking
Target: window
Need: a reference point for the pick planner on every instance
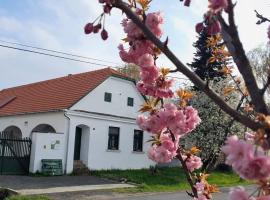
(108, 97)
(113, 143)
(130, 101)
(138, 140)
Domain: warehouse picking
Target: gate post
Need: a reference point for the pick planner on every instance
(3, 153)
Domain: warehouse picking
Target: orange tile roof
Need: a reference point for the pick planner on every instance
(52, 95)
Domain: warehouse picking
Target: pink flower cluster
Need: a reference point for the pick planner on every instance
(170, 120)
(213, 26)
(218, 5)
(142, 52)
(248, 163)
(192, 162)
(180, 121)
(239, 193)
(200, 191)
(165, 151)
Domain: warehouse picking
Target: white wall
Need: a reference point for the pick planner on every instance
(99, 157)
(29, 121)
(42, 149)
(121, 90)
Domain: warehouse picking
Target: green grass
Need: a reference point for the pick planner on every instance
(166, 179)
(21, 197)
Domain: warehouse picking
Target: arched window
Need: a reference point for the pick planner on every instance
(13, 132)
(44, 128)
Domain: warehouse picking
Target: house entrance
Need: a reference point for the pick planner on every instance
(77, 146)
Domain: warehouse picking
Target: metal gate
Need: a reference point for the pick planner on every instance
(14, 154)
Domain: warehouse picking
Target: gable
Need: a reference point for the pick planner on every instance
(120, 91)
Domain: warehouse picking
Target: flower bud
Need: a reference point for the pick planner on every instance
(187, 3)
(104, 34)
(107, 8)
(199, 27)
(97, 28)
(88, 28)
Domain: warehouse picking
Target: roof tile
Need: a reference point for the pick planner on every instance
(54, 94)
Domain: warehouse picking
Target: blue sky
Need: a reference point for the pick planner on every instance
(59, 25)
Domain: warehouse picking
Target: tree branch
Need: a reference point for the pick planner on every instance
(267, 84)
(188, 176)
(182, 68)
(262, 19)
(235, 47)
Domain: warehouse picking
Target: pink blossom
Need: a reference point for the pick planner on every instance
(218, 5)
(199, 187)
(160, 154)
(136, 50)
(167, 143)
(237, 151)
(154, 22)
(256, 169)
(214, 28)
(193, 162)
(146, 60)
(131, 29)
(149, 74)
(238, 193)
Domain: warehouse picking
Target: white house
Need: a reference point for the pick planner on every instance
(89, 117)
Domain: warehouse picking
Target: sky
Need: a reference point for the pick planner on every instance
(58, 25)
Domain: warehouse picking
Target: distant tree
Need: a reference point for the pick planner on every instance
(204, 64)
(260, 61)
(131, 70)
(216, 125)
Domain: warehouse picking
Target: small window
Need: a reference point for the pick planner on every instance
(113, 143)
(108, 97)
(130, 101)
(138, 140)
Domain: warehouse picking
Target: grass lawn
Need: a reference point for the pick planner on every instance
(166, 180)
(28, 198)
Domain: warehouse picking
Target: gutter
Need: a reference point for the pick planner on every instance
(67, 142)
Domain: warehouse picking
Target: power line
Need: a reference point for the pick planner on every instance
(62, 57)
(56, 56)
(60, 52)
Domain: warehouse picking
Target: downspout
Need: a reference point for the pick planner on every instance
(68, 129)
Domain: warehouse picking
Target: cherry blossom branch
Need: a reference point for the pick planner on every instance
(235, 47)
(185, 70)
(187, 173)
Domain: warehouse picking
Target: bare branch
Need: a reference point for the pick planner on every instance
(185, 70)
(262, 19)
(235, 47)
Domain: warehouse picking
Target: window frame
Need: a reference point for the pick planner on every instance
(128, 102)
(108, 98)
(138, 141)
(110, 146)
